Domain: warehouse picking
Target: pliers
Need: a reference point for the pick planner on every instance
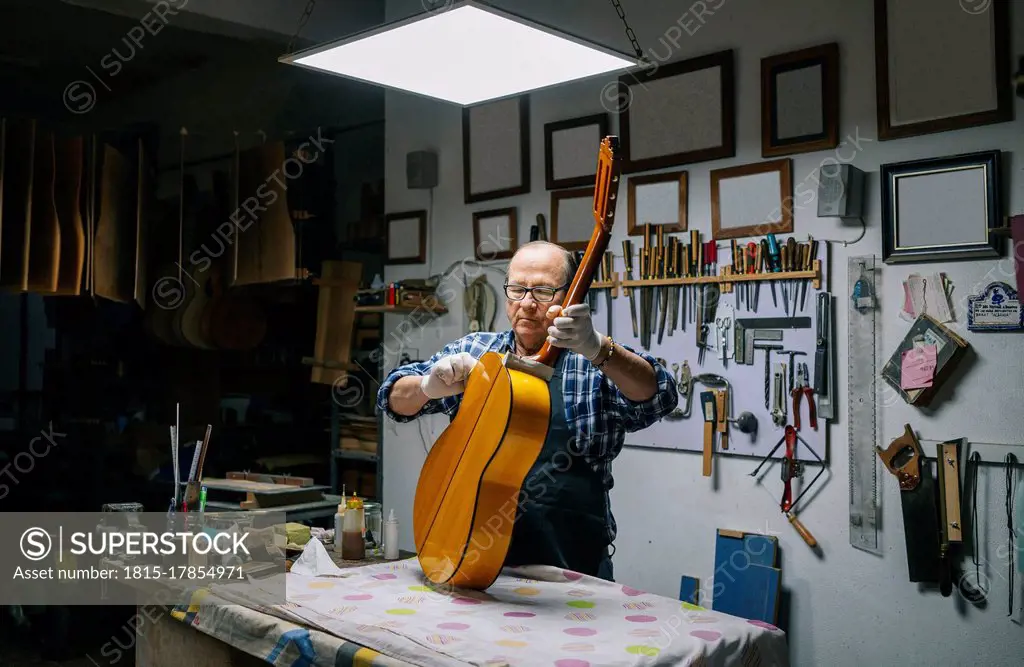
(800, 387)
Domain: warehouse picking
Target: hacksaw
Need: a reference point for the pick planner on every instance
(862, 425)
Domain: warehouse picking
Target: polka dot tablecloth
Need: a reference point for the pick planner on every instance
(531, 617)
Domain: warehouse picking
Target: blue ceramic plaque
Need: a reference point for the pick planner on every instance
(995, 309)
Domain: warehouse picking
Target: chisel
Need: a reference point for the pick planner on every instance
(606, 267)
(627, 258)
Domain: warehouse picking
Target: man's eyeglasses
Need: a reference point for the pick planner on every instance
(540, 294)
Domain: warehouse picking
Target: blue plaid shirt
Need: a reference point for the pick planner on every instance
(595, 409)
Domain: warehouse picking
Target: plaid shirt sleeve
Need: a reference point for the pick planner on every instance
(640, 415)
(448, 405)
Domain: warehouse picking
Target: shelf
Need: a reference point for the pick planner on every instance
(354, 455)
(402, 310)
(814, 275)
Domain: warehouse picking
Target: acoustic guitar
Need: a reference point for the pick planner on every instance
(474, 473)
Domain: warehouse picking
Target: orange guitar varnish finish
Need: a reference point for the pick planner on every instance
(469, 488)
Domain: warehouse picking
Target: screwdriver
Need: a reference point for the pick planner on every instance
(794, 265)
(753, 266)
(771, 259)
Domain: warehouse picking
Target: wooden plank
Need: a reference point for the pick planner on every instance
(114, 228)
(272, 479)
(19, 156)
(335, 319)
(67, 191)
(261, 488)
(44, 230)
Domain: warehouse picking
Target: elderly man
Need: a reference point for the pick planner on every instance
(600, 391)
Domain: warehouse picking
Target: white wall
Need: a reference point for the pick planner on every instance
(848, 607)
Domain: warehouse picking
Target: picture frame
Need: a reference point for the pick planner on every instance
(800, 101)
(495, 233)
(406, 234)
(660, 199)
(942, 208)
(570, 147)
(963, 82)
(679, 113)
(572, 217)
(496, 149)
(752, 199)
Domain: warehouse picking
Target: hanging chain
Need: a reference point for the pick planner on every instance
(306, 13)
(629, 31)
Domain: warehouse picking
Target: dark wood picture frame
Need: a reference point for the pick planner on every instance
(523, 187)
(635, 227)
(726, 149)
(551, 129)
(421, 256)
(784, 167)
(513, 233)
(556, 197)
(1000, 14)
(826, 57)
(988, 245)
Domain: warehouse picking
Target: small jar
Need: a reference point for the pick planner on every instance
(372, 526)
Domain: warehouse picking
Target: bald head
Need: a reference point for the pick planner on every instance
(547, 253)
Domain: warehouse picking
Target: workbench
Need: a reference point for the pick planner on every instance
(249, 637)
(382, 615)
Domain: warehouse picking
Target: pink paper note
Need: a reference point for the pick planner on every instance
(918, 367)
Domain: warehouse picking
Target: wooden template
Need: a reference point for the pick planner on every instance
(406, 237)
(68, 179)
(752, 199)
(495, 233)
(658, 199)
(954, 73)
(43, 229)
(496, 149)
(19, 159)
(800, 101)
(569, 148)
(680, 113)
(335, 318)
(572, 217)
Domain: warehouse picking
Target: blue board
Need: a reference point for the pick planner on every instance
(747, 581)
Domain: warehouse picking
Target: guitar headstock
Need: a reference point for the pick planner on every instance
(606, 187)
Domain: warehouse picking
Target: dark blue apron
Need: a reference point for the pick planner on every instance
(561, 518)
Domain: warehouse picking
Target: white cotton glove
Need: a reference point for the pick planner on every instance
(448, 376)
(573, 329)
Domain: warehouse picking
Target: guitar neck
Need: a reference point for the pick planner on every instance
(605, 195)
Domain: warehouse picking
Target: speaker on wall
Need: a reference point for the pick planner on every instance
(421, 170)
(840, 191)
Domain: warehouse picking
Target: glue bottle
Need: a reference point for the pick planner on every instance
(391, 536)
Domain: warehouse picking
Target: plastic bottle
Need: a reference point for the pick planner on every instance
(391, 537)
(339, 519)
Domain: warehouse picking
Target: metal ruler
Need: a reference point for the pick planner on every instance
(861, 417)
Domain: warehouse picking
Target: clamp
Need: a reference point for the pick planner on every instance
(799, 389)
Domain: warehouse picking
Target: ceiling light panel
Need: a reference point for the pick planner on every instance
(467, 54)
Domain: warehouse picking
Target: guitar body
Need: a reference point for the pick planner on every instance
(470, 486)
(471, 480)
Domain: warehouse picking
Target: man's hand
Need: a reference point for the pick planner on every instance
(573, 329)
(448, 376)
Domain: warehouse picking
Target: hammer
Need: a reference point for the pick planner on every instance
(767, 347)
(791, 353)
